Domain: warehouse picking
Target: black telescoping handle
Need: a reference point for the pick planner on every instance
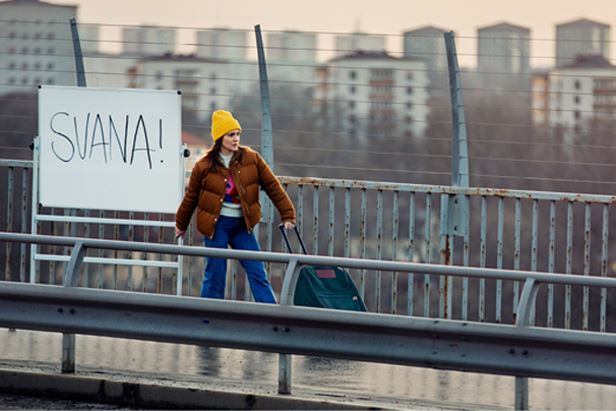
(286, 238)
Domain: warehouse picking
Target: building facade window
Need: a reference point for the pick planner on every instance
(381, 74)
(352, 75)
(577, 85)
(409, 90)
(352, 89)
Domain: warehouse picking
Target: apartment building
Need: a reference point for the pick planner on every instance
(148, 40)
(367, 95)
(110, 69)
(541, 102)
(222, 43)
(35, 41)
(202, 81)
(349, 43)
(572, 97)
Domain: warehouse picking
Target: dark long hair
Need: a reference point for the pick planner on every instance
(213, 156)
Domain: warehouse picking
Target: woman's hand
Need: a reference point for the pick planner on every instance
(179, 233)
(288, 225)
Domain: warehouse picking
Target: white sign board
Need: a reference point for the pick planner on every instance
(110, 149)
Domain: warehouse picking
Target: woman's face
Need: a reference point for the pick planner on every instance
(231, 142)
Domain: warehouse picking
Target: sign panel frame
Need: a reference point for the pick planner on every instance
(110, 149)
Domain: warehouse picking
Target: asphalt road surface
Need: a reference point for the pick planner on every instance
(18, 402)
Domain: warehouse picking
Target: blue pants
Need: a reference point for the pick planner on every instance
(231, 231)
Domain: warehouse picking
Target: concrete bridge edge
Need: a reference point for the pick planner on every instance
(155, 396)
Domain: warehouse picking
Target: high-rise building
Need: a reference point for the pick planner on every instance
(358, 41)
(36, 45)
(222, 43)
(370, 95)
(581, 36)
(428, 44)
(148, 40)
(89, 37)
(291, 46)
(291, 55)
(503, 61)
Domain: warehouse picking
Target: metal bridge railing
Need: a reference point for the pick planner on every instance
(520, 350)
(513, 229)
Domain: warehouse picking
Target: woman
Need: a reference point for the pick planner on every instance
(224, 188)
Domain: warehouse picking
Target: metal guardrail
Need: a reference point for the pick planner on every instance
(520, 350)
(442, 344)
(532, 230)
(517, 229)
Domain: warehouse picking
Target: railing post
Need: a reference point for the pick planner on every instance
(79, 67)
(527, 301)
(70, 280)
(36, 151)
(459, 157)
(444, 309)
(454, 208)
(524, 318)
(521, 393)
(80, 72)
(267, 139)
(285, 375)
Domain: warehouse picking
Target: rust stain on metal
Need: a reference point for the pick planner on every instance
(446, 252)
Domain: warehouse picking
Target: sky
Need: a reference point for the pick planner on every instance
(390, 17)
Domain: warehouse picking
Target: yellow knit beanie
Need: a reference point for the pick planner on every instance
(223, 122)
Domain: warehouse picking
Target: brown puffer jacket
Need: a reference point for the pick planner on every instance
(206, 192)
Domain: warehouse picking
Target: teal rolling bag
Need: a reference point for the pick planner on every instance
(324, 286)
